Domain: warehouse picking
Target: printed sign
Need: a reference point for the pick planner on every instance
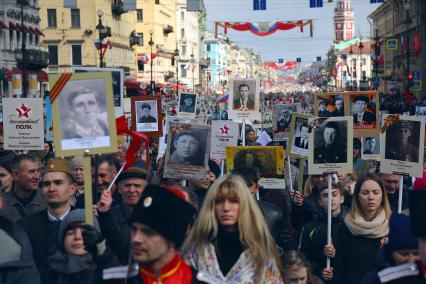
(224, 133)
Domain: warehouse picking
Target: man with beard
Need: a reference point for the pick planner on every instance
(330, 151)
(42, 228)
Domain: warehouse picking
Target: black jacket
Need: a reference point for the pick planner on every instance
(382, 262)
(116, 231)
(393, 201)
(355, 256)
(12, 270)
(314, 238)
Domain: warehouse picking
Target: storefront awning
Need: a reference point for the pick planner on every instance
(37, 31)
(8, 73)
(31, 30)
(3, 25)
(12, 26)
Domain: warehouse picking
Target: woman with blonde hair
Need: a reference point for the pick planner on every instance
(364, 231)
(230, 240)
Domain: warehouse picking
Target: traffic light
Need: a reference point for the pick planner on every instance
(377, 48)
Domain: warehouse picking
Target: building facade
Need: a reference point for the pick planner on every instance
(344, 21)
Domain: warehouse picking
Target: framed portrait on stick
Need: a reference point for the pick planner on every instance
(330, 145)
(330, 104)
(281, 119)
(146, 115)
(268, 160)
(370, 148)
(364, 108)
(187, 152)
(298, 142)
(245, 98)
(187, 105)
(402, 145)
(83, 113)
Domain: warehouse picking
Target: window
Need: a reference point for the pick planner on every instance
(11, 39)
(139, 15)
(208, 47)
(141, 65)
(75, 18)
(182, 33)
(182, 71)
(364, 61)
(344, 74)
(157, 2)
(182, 15)
(53, 54)
(183, 50)
(76, 54)
(140, 39)
(51, 18)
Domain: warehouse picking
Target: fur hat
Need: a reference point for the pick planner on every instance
(77, 161)
(164, 210)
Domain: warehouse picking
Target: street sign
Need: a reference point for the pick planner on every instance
(416, 75)
(416, 85)
(392, 43)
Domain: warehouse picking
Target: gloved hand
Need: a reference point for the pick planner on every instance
(94, 242)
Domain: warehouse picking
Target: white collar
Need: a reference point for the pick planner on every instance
(53, 218)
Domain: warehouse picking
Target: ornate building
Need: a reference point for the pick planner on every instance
(344, 21)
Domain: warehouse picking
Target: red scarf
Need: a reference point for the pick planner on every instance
(177, 271)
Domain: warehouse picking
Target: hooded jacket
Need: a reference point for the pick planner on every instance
(16, 258)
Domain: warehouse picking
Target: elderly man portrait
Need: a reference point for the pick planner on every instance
(145, 114)
(361, 115)
(331, 151)
(243, 101)
(85, 119)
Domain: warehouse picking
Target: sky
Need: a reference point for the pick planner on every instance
(286, 44)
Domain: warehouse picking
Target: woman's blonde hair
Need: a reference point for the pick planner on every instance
(356, 205)
(253, 230)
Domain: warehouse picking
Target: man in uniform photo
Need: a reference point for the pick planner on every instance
(399, 144)
(361, 116)
(331, 151)
(302, 140)
(284, 120)
(244, 101)
(146, 117)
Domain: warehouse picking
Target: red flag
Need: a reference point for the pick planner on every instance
(138, 139)
(408, 97)
(417, 45)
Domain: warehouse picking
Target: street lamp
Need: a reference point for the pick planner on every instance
(360, 46)
(100, 28)
(407, 7)
(177, 70)
(151, 43)
(192, 67)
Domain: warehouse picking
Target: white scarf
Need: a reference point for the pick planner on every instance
(376, 228)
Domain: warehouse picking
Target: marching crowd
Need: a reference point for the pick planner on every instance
(222, 229)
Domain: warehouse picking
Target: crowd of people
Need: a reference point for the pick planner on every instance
(225, 228)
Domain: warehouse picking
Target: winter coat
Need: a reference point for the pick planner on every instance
(15, 210)
(16, 259)
(393, 200)
(355, 256)
(381, 263)
(314, 238)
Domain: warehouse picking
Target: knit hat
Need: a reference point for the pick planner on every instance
(400, 235)
(420, 183)
(6, 159)
(164, 210)
(132, 172)
(77, 161)
(73, 216)
(59, 165)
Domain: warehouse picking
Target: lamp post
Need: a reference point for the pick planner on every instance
(177, 70)
(407, 7)
(360, 46)
(151, 43)
(100, 28)
(23, 48)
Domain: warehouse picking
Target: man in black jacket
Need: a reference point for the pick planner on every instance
(392, 191)
(113, 219)
(281, 231)
(43, 227)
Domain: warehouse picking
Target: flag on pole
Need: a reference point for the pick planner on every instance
(318, 58)
(298, 59)
(259, 5)
(316, 3)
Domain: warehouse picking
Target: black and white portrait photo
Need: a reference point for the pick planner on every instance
(188, 146)
(244, 95)
(330, 143)
(371, 145)
(267, 118)
(187, 103)
(301, 139)
(83, 113)
(282, 119)
(402, 141)
(147, 116)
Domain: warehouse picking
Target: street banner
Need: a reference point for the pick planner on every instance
(401, 145)
(23, 124)
(187, 153)
(370, 148)
(281, 119)
(187, 107)
(224, 133)
(245, 99)
(49, 123)
(298, 141)
(330, 145)
(83, 113)
(267, 160)
(364, 108)
(117, 84)
(146, 115)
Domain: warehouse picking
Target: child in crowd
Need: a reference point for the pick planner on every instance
(296, 269)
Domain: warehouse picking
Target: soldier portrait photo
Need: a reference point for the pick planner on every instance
(281, 120)
(244, 95)
(329, 105)
(146, 115)
(371, 145)
(187, 103)
(330, 143)
(363, 110)
(402, 141)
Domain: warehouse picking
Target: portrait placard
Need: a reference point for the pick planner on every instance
(23, 124)
(421, 110)
(268, 160)
(370, 149)
(117, 76)
(267, 119)
(330, 145)
(299, 136)
(244, 100)
(364, 108)
(401, 146)
(49, 123)
(83, 115)
(187, 105)
(224, 133)
(330, 104)
(187, 152)
(146, 115)
(281, 117)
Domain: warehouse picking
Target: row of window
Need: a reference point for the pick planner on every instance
(52, 21)
(76, 54)
(13, 39)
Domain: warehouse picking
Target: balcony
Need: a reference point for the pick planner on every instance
(117, 7)
(34, 59)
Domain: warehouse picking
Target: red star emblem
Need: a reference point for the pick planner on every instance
(23, 111)
(225, 129)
